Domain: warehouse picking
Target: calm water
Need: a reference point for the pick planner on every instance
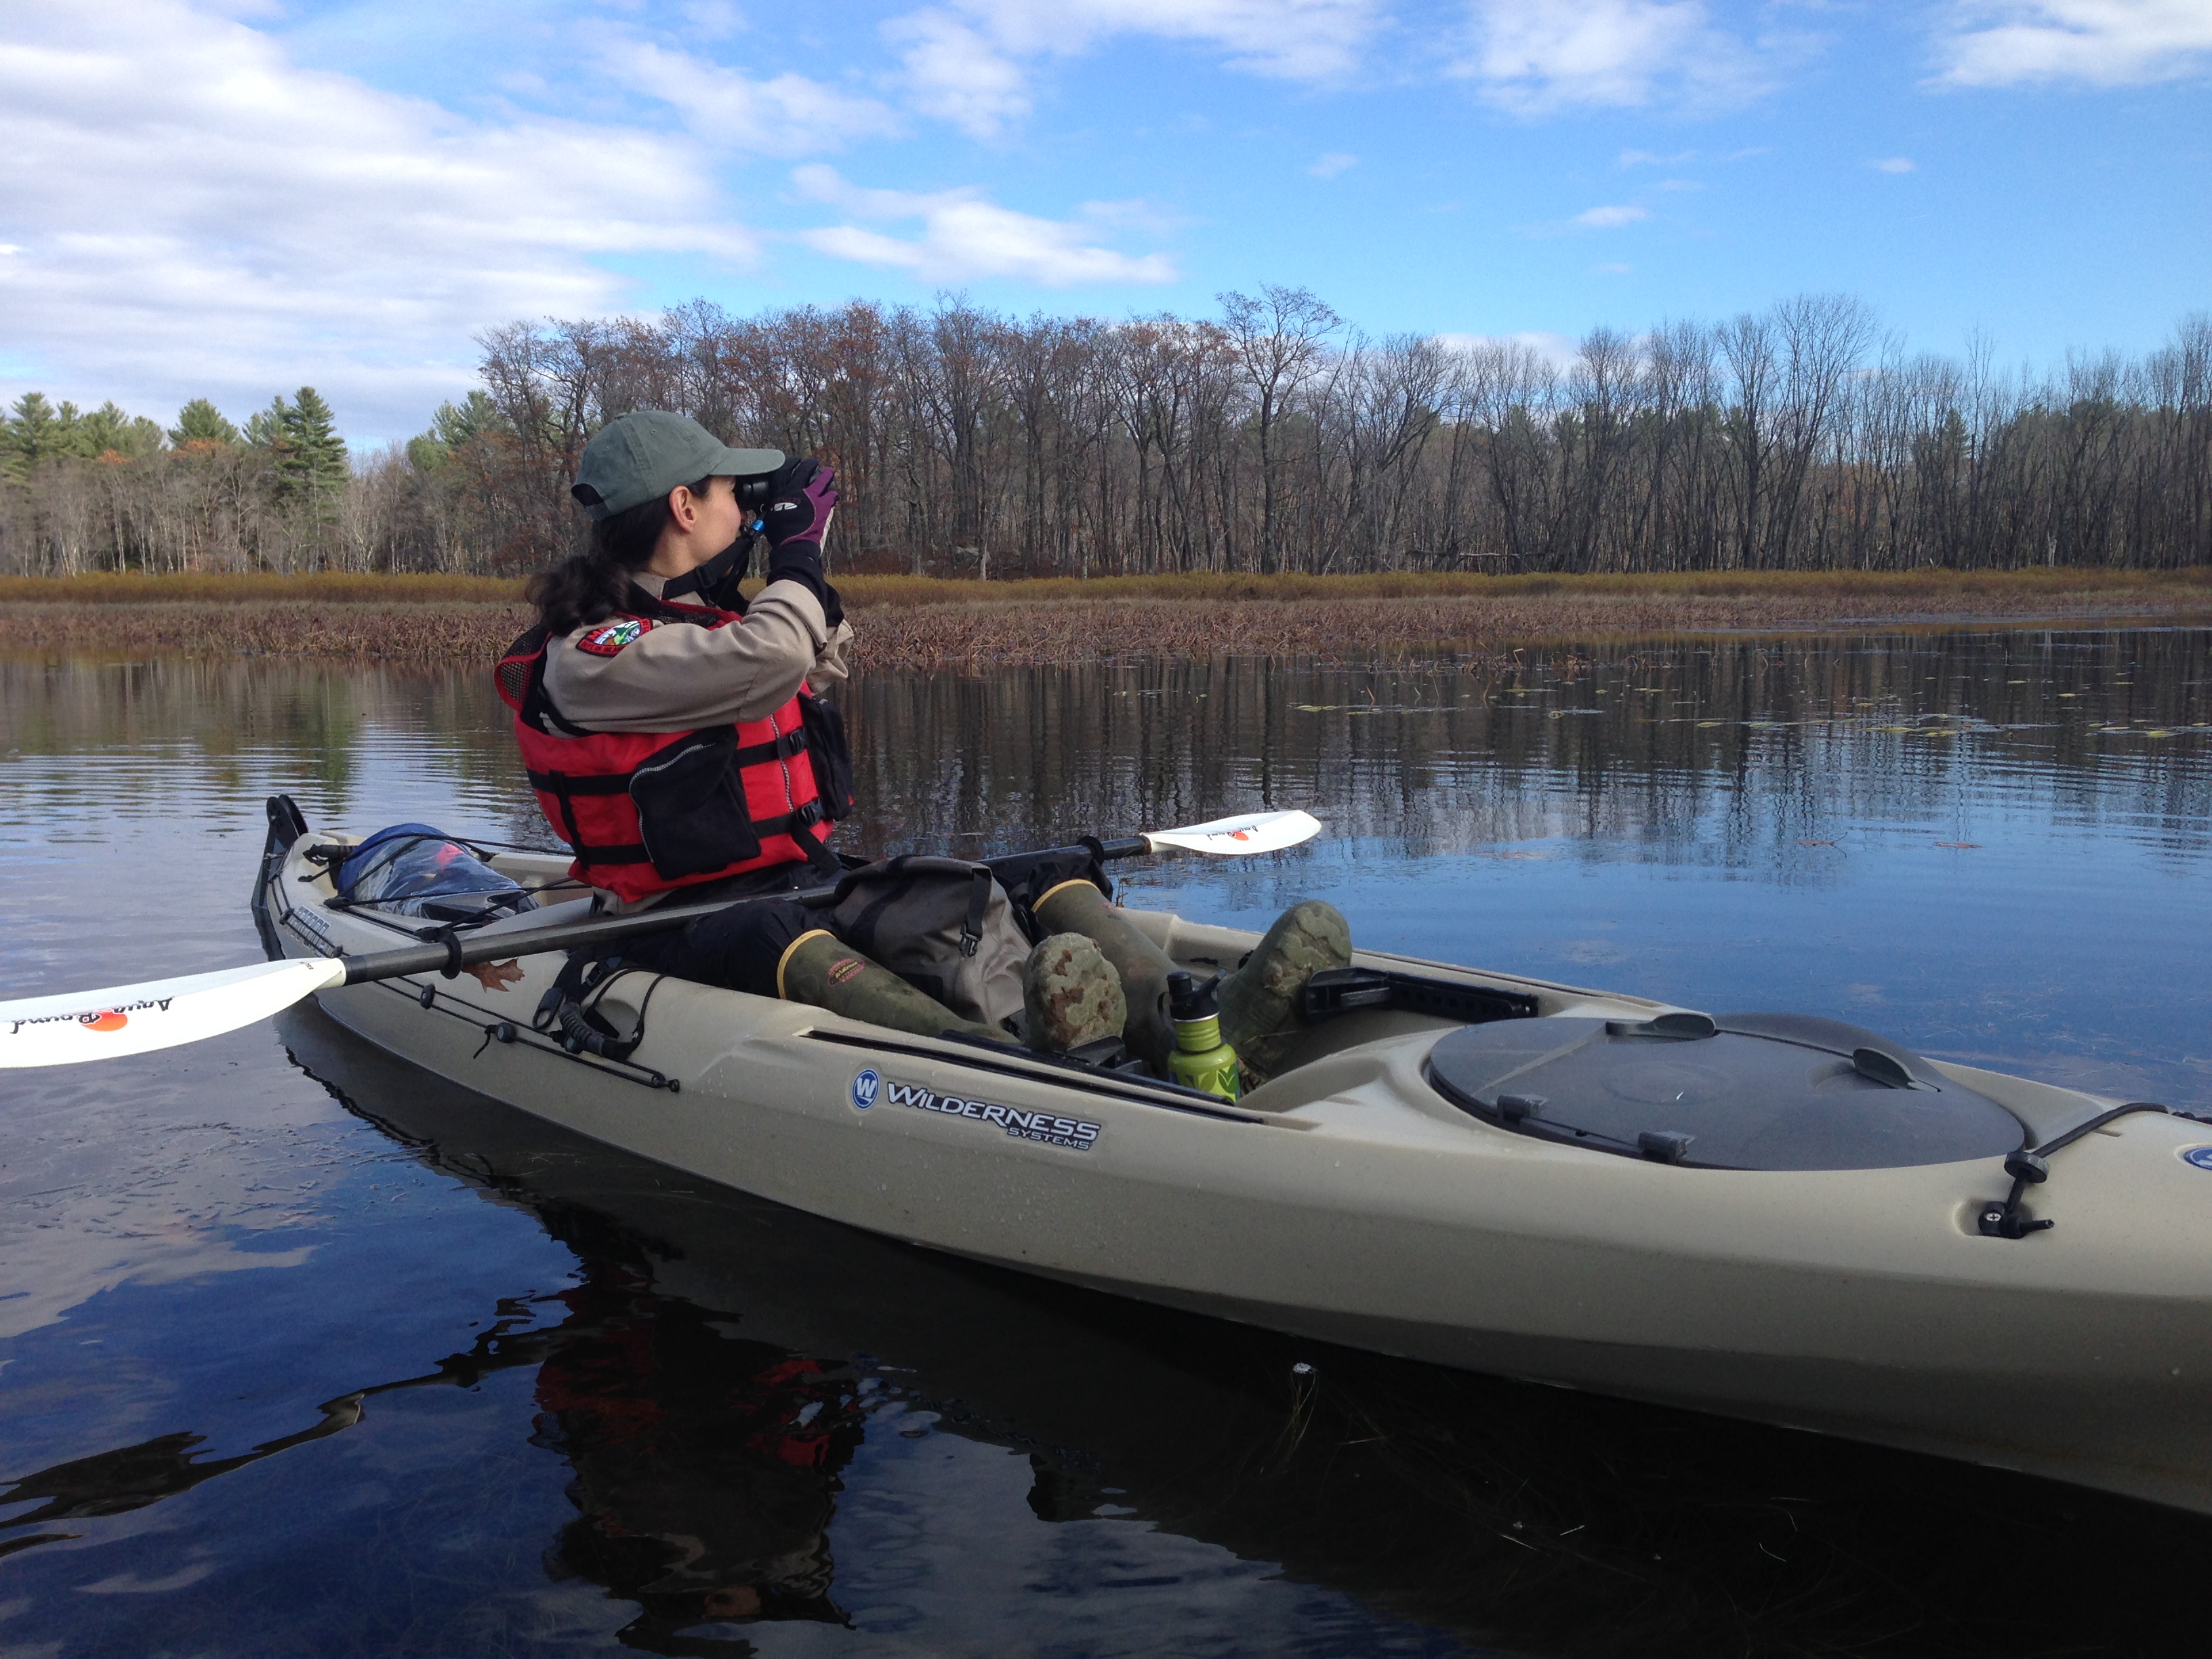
(301, 1352)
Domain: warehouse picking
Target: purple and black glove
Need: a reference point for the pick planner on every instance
(801, 496)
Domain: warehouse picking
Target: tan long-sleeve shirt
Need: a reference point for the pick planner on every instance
(672, 677)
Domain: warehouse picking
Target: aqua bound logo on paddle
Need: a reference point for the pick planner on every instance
(1075, 1134)
(96, 1019)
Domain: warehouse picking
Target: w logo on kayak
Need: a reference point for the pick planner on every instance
(866, 1085)
(1075, 1134)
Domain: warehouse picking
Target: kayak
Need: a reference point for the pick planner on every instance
(1772, 1217)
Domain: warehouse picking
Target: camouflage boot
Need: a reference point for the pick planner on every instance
(1263, 1002)
(820, 969)
(1071, 994)
(1076, 907)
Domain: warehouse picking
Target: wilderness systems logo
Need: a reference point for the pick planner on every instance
(1074, 1133)
(95, 1019)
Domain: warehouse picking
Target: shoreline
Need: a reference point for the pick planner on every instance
(903, 622)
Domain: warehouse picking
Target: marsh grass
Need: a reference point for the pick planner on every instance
(907, 622)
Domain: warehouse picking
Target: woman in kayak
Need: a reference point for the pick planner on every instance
(673, 736)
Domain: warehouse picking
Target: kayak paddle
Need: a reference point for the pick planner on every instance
(163, 1013)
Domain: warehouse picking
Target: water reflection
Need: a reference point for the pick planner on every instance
(605, 1405)
(722, 1376)
(1629, 746)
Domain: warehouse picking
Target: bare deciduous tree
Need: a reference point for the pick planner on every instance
(1273, 439)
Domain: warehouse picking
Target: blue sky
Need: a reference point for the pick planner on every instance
(234, 197)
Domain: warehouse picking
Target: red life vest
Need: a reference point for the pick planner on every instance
(645, 812)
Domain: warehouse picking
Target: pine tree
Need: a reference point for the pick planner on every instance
(200, 422)
(452, 428)
(317, 460)
(108, 431)
(314, 431)
(269, 429)
(476, 414)
(305, 457)
(33, 434)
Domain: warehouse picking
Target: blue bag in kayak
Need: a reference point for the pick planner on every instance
(413, 870)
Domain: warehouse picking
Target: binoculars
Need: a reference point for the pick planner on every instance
(753, 491)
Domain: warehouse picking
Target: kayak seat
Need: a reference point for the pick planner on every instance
(1738, 1091)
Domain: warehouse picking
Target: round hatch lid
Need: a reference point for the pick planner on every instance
(1744, 1092)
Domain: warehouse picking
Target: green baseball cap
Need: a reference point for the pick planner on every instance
(638, 457)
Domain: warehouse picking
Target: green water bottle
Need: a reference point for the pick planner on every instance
(1201, 1060)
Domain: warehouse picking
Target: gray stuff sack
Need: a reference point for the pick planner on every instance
(944, 926)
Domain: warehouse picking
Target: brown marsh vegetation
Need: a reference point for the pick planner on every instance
(920, 621)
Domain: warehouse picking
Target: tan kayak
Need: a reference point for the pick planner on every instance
(1778, 1219)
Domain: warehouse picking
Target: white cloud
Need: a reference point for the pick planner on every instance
(1995, 43)
(1610, 218)
(965, 236)
(785, 115)
(955, 74)
(1894, 164)
(1537, 57)
(969, 62)
(1336, 161)
(1645, 158)
(199, 216)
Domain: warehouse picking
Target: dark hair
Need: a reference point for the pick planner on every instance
(592, 585)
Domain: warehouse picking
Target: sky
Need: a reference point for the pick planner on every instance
(230, 198)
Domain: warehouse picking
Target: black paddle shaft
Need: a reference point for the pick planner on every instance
(450, 955)
(453, 954)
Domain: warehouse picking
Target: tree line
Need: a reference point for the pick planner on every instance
(1273, 437)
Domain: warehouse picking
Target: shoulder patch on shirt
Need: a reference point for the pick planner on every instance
(609, 638)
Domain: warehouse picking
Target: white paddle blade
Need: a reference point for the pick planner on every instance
(132, 1019)
(1253, 832)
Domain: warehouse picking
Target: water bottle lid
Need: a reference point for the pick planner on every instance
(1190, 998)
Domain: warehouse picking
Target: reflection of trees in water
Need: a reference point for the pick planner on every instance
(1700, 751)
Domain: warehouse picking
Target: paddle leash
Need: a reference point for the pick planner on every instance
(164, 1013)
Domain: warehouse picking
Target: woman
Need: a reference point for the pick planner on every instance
(674, 739)
(672, 731)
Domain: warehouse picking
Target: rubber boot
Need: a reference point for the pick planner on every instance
(1076, 907)
(821, 969)
(1071, 994)
(1263, 1002)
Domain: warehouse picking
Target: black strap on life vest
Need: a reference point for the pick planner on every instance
(793, 742)
(639, 603)
(798, 825)
(716, 581)
(528, 654)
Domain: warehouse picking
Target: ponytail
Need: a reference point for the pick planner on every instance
(592, 585)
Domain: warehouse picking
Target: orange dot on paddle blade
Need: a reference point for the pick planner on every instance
(110, 1021)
